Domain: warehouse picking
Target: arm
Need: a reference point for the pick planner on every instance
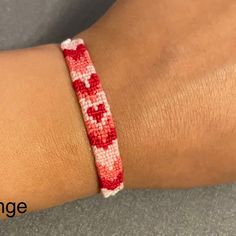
(170, 81)
(45, 155)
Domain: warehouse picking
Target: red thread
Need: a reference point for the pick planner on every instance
(97, 114)
(94, 83)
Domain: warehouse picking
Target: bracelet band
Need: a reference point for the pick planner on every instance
(97, 116)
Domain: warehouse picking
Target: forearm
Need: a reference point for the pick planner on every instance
(45, 156)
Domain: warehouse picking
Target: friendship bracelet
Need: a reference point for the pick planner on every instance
(97, 116)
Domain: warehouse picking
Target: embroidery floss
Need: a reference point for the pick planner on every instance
(97, 116)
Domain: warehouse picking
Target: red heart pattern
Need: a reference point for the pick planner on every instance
(97, 116)
(97, 113)
(94, 86)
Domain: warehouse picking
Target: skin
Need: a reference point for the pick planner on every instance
(168, 69)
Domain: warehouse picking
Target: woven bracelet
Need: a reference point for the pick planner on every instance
(97, 116)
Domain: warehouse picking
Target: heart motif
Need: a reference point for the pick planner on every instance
(97, 114)
(110, 184)
(75, 54)
(101, 142)
(94, 84)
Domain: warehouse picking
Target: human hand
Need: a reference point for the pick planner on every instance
(169, 72)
